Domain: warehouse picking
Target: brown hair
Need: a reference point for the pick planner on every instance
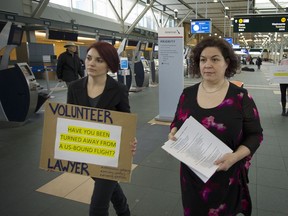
(108, 53)
(226, 50)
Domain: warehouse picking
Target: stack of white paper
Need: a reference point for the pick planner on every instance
(197, 147)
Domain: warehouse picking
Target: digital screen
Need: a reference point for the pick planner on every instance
(155, 48)
(229, 40)
(132, 43)
(124, 63)
(236, 46)
(261, 23)
(201, 26)
(60, 35)
(142, 47)
(15, 35)
(150, 45)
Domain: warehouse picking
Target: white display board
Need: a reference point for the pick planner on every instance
(171, 70)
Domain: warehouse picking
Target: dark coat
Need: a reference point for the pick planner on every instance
(114, 96)
(69, 67)
(259, 61)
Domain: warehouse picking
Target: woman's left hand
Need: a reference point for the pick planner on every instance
(133, 146)
(226, 161)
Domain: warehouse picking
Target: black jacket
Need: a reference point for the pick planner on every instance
(69, 67)
(114, 96)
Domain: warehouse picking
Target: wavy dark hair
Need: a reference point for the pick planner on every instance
(226, 50)
(108, 53)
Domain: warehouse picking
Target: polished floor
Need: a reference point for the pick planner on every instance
(154, 189)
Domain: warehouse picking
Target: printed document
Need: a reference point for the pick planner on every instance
(197, 147)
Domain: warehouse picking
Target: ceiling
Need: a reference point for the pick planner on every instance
(216, 11)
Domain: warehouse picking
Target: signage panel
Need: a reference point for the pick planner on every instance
(265, 23)
(200, 26)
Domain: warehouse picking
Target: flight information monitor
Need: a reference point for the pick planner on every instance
(229, 40)
(200, 26)
(261, 23)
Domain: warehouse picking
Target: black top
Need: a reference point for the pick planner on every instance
(235, 121)
(114, 96)
(69, 67)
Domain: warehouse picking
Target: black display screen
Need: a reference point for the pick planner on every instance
(60, 35)
(132, 43)
(15, 35)
(261, 23)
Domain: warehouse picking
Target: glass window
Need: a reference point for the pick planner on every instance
(66, 3)
(103, 8)
(85, 5)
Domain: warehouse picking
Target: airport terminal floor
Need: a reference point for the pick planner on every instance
(154, 189)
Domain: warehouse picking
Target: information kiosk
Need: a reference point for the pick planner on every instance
(140, 66)
(19, 93)
(124, 74)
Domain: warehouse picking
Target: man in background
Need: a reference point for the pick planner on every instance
(69, 64)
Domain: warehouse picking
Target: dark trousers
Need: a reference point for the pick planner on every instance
(283, 89)
(104, 192)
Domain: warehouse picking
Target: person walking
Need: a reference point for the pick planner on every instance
(69, 67)
(259, 62)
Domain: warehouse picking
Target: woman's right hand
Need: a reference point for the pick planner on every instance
(171, 135)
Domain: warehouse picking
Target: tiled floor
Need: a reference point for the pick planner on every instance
(154, 190)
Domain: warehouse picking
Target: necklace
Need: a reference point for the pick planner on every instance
(218, 89)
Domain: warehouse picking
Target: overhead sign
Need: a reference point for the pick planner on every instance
(200, 26)
(258, 23)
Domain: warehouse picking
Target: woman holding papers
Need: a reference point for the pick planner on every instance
(100, 90)
(228, 112)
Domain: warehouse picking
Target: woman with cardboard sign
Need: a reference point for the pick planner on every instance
(100, 90)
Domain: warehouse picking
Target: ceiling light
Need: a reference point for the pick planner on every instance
(226, 8)
(215, 1)
(175, 14)
(164, 7)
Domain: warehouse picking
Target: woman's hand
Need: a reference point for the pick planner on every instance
(133, 146)
(229, 159)
(172, 133)
(226, 161)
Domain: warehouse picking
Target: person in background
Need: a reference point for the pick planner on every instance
(69, 66)
(228, 112)
(259, 62)
(283, 88)
(100, 90)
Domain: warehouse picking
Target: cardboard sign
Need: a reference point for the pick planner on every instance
(87, 141)
(279, 74)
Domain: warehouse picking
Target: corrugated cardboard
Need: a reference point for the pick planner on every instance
(55, 111)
